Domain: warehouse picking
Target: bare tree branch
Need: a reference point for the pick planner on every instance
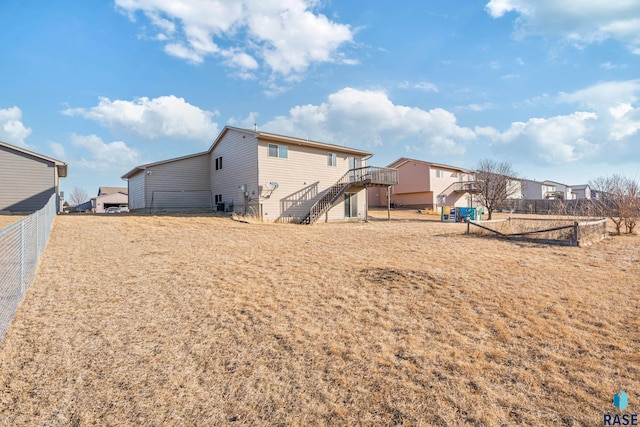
(618, 198)
(496, 182)
(78, 196)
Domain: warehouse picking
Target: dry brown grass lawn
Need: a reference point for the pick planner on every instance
(206, 321)
(7, 220)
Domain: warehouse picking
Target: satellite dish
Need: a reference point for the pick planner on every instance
(271, 185)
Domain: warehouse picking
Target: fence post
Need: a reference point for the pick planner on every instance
(22, 257)
(575, 233)
(37, 236)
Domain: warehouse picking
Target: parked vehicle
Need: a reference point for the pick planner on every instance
(112, 210)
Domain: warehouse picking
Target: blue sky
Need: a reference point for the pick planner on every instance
(550, 86)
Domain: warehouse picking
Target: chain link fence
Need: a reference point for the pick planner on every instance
(21, 245)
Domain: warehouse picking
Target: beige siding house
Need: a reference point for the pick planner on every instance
(109, 197)
(426, 185)
(28, 179)
(274, 177)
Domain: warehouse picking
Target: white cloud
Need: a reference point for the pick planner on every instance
(478, 107)
(614, 101)
(555, 140)
(369, 118)
(604, 95)
(579, 22)
(248, 122)
(426, 86)
(12, 130)
(104, 156)
(165, 116)
(57, 149)
(286, 36)
(626, 121)
(605, 126)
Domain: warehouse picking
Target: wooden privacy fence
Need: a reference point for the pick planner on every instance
(543, 230)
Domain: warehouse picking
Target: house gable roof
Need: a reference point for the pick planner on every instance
(548, 181)
(266, 136)
(62, 166)
(141, 168)
(103, 191)
(403, 160)
(308, 143)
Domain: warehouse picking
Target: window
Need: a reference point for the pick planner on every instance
(439, 173)
(281, 151)
(218, 163)
(331, 159)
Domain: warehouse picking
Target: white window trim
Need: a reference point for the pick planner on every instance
(278, 151)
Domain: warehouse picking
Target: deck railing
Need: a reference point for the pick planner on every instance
(378, 176)
(368, 175)
(465, 186)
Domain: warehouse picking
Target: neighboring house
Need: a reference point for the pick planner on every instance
(536, 190)
(561, 192)
(582, 191)
(274, 177)
(84, 207)
(108, 197)
(27, 180)
(426, 185)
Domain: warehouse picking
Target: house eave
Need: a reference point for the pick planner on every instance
(62, 166)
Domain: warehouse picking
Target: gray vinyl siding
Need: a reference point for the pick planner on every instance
(26, 182)
(187, 178)
(239, 152)
(136, 191)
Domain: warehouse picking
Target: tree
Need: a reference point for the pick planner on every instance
(79, 196)
(631, 205)
(618, 198)
(496, 182)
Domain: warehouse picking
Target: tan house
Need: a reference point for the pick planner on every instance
(110, 197)
(273, 177)
(426, 185)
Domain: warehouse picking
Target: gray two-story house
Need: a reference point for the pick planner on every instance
(28, 179)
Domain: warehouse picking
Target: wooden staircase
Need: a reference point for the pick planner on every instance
(365, 176)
